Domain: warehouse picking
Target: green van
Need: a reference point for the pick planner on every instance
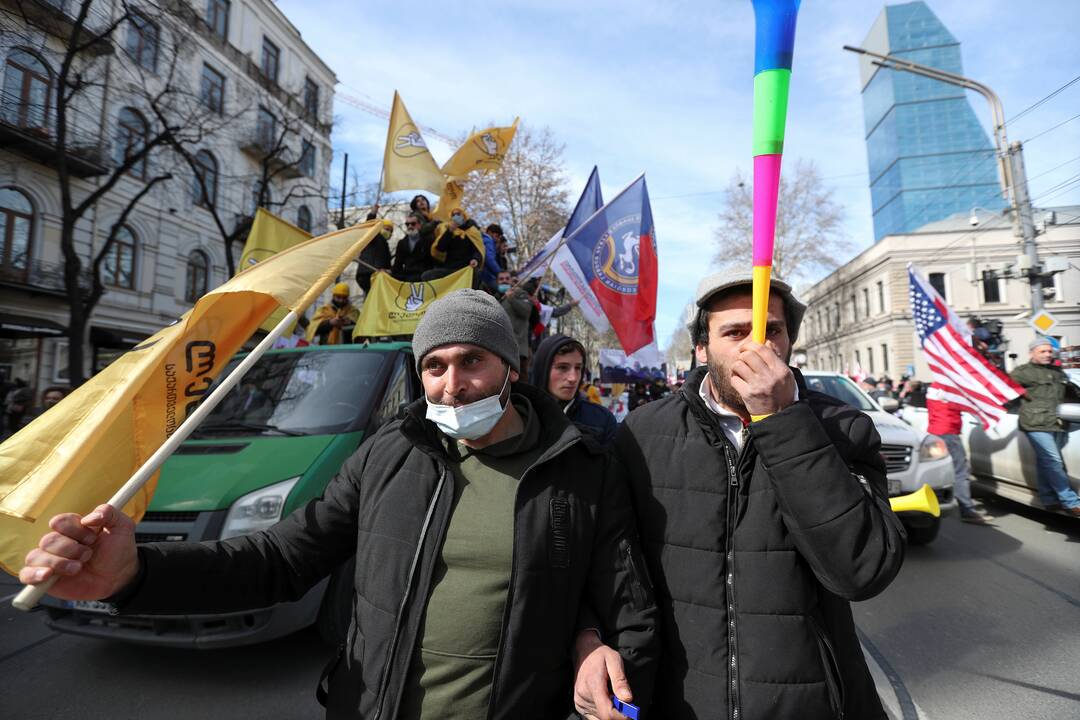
(272, 445)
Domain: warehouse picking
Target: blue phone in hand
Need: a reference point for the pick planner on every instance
(630, 711)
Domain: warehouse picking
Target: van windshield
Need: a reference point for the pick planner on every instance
(298, 393)
(840, 388)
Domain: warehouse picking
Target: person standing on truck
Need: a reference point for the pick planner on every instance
(329, 323)
(763, 511)
(1046, 386)
(480, 523)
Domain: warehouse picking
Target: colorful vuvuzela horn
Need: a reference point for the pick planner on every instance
(774, 42)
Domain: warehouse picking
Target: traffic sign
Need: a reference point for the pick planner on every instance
(1044, 322)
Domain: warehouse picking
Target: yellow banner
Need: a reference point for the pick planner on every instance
(78, 454)
(407, 162)
(394, 307)
(269, 235)
(484, 150)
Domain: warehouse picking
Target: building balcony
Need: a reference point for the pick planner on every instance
(52, 17)
(23, 132)
(42, 277)
(263, 149)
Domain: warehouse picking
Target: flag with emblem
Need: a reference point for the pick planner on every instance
(407, 162)
(394, 307)
(483, 150)
(615, 252)
(959, 371)
(80, 452)
(268, 236)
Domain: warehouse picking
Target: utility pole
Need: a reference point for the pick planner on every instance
(344, 182)
(1010, 160)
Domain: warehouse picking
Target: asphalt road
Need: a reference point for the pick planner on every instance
(983, 623)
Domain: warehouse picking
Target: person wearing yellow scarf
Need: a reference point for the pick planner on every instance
(458, 243)
(329, 320)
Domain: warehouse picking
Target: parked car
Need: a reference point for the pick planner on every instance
(912, 457)
(272, 445)
(1002, 460)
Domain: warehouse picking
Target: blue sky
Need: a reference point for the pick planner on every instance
(666, 88)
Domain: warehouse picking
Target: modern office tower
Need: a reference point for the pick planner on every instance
(929, 157)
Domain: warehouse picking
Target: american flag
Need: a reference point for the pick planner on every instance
(964, 376)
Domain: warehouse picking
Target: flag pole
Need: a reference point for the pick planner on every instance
(32, 594)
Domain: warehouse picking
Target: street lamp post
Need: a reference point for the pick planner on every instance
(1010, 159)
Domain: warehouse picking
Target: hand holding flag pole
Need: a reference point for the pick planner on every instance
(331, 253)
(773, 48)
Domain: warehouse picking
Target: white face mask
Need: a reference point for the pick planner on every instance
(468, 422)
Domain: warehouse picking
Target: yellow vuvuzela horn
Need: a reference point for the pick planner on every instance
(922, 500)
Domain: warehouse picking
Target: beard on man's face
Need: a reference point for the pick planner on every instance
(720, 379)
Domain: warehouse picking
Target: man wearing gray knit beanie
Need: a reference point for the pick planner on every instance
(486, 533)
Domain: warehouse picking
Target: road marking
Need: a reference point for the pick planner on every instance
(905, 703)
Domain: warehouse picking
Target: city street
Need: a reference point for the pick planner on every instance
(982, 623)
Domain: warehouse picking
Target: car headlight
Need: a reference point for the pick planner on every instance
(257, 510)
(933, 448)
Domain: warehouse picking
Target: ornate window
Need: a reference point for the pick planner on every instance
(198, 276)
(16, 231)
(118, 269)
(303, 218)
(131, 134)
(206, 174)
(27, 96)
(142, 41)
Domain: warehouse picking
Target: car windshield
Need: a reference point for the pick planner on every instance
(840, 388)
(298, 393)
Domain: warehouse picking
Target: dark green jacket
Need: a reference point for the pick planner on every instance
(1046, 387)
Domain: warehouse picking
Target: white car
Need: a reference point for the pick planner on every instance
(1002, 461)
(912, 457)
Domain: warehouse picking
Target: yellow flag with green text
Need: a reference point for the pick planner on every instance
(77, 455)
(268, 236)
(483, 150)
(407, 162)
(394, 307)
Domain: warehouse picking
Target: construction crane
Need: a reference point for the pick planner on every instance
(381, 112)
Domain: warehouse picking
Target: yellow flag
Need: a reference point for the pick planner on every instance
(407, 162)
(78, 454)
(449, 200)
(268, 236)
(395, 307)
(484, 150)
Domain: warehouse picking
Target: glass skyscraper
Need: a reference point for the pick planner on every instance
(928, 155)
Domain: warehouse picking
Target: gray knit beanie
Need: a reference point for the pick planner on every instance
(466, 316)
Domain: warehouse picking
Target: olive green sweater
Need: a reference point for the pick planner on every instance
(454, 663)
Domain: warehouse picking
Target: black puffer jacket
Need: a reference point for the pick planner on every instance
(574, 542)
(755, 554)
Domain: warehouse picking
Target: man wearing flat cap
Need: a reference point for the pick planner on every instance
(763, 511)
(1045, 387)
(480, 521)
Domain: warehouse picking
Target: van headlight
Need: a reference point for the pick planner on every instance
(933, 448)
(257, 510)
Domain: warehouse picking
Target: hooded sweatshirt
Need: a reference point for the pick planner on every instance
(593, 420)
